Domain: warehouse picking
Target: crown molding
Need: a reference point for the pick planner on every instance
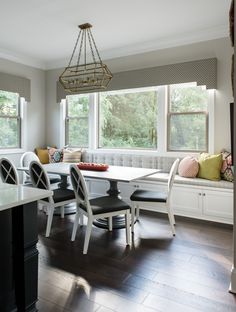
(159, 44)
(144, 47)
(22, 59)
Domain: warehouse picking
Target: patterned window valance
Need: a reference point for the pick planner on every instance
(15, 84)
(204, 72)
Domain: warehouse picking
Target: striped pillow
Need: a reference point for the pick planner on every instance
(71, 156)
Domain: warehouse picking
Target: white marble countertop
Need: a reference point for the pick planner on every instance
(15, 195)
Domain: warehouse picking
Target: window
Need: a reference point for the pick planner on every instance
(166, 118)
(77, 120)
(187, 118)
(128, 119)
(10, 120)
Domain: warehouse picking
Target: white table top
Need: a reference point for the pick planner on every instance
(15, 195)
(114, 173)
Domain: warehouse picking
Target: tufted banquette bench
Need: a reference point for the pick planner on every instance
(191, 197)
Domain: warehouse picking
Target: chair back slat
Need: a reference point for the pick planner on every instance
(38, 176)
(8, 172)
(80, 188)
(172, 174)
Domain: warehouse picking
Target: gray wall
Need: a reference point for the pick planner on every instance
(43, 113)
(36, 133)
(219, 48)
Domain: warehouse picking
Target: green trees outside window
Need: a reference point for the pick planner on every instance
(188, 118)
(128, 120)
(9, 120)
(77, 116)
(137, 118)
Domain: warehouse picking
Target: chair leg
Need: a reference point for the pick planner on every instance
(75, 226)
(110, 223)
(81, 219)
(49, 221)
(62, 212)
(127, 223)
(132, 217)
(87, 235)
(137, 213)
(170, 216)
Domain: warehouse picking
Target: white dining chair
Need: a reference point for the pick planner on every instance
(158, 198)
(60, 197)
(25, 161)
(101, 207)
(8, 172)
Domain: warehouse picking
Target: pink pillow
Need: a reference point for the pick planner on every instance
(188, 167)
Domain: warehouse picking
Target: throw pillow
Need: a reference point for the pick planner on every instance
(209, 166)
(227, 168)
(72, 156)
(42, 154)
(55, 155)
(188, 167)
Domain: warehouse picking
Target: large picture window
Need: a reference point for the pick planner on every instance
(128, 119)
(187, 118)
(10, 121)
(167, 118)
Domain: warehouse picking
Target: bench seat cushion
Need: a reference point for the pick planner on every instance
(163, 177)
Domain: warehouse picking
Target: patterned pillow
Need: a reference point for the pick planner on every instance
(55, 155)
(72, 156)
(188, 167)
(227, 168)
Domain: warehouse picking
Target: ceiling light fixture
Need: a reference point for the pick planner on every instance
(85, 75)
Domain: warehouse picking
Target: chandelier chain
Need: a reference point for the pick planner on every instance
(79, 55)
(74, 49)
(95, 46)
(91, 47)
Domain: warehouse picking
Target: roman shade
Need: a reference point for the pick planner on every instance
(203, 72)
(15, 84)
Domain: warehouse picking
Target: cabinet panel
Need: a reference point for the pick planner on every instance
(218, 204)
(186, 200)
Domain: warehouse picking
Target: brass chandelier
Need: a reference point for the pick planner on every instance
(85, 76)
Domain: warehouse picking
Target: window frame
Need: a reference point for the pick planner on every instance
(162, 126)
(125, 91)
(19, 118)
(66, 126)
(168, 123)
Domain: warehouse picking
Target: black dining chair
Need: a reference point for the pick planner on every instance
(8, 172)
(101, 207)
(157, 198)
(60, 197)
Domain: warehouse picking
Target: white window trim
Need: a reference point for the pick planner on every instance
(23, 132)
(162, 129)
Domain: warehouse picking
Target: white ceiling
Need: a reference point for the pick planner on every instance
(42, 33)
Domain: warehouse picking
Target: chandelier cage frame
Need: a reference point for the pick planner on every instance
(83, 76)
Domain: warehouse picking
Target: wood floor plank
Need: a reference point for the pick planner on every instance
(190, 272)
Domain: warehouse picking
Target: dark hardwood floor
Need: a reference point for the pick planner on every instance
(187, 273)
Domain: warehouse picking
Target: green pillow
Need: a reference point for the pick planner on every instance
(209, 166)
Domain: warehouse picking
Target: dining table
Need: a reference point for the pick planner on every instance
(113, 174)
